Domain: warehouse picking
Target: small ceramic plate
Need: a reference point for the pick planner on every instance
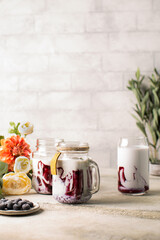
(21, 212)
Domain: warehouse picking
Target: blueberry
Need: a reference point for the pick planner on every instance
(26, 206)
(4, 200)
(20, 203)
(9, 205)
(2, 206)
(30, 204)
(16, 207)
(16, 200)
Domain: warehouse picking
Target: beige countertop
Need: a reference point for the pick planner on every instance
(109, 215)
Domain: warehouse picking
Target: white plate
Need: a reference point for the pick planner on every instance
(21, 212)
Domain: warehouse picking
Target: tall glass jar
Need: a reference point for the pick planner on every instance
(42, 178)
(75, 176)
(133, 165)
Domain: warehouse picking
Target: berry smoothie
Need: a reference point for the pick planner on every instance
(73, 182)
(42, 178)
(133, 172)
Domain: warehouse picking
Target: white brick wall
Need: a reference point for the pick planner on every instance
(127, 61)
(125, 5)
(81, 43)
(64, 101)
(134, 42)
(111, 22)
(26, 43)
(75, 62)
(64, 65)
(46, 23)
(16, 25)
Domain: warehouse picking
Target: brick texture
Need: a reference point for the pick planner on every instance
(64, 66)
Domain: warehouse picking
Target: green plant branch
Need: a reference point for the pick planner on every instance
(147, 108)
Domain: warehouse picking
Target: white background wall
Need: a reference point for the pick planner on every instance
(64, 66)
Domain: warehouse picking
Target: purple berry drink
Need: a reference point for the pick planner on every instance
(76, 178)
(42, 178)
(74, 186)
(133, 166)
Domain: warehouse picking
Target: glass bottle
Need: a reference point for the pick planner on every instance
(42, 178)
(133, 165)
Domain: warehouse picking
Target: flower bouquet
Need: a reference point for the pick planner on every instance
(15, 162)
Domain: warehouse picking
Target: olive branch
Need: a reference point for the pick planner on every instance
(147, 109)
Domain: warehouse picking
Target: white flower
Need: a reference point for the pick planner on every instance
(25, 128)
(22, 164)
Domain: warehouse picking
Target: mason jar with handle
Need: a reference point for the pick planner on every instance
(75, 176)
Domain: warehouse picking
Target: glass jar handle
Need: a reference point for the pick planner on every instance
(94, 167)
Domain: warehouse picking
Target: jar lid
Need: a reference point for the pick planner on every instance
(72, 146)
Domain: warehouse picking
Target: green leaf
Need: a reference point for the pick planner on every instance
(138, 74)
(152, 145)
(143, 110)
(153, 78)
(11, 130)
(1, 183)
(1, 137)
(153, 134)
(142, 79)
(156, 99)
(145, 98)
(129, 88)
(157, 73)
(154, 125)
(137, 95)
(135, 117)
(141, 127)
(3, 168)
(152, 82)
(132, 84)
(158, 133)
(14, 129)
(159, 111)
(138, 113)
(12, 124)
(18, 125)
(151, 104)
(155, 116)
(156, 89)
(1, 194)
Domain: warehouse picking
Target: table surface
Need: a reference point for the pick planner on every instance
(109, 215)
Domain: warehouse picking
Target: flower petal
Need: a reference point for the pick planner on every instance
(16, 183)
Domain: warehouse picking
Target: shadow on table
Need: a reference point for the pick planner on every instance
(153, 193)
(123, 198)
(27, 215)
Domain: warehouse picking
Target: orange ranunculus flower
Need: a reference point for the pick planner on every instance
(16, 183)
(12, 148)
